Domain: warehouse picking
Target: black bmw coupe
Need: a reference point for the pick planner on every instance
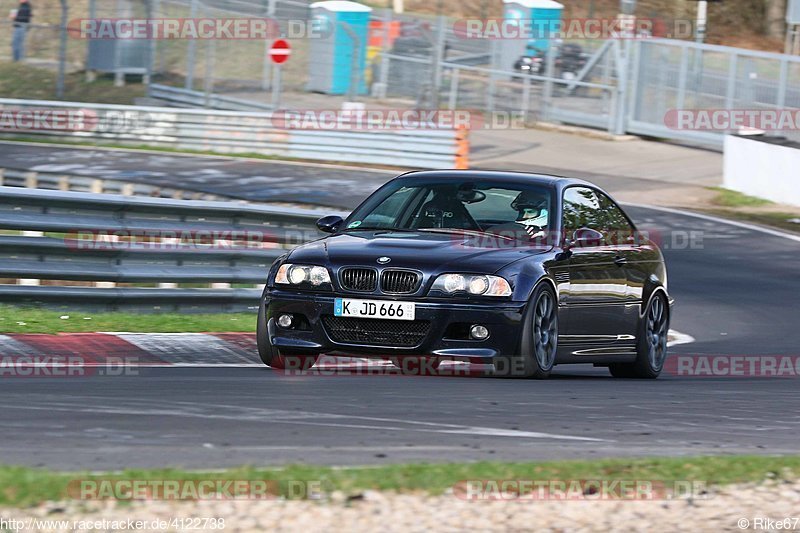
(520, 271)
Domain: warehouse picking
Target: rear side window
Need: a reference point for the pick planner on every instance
(619, 229)
(613, 216)
(581, 210)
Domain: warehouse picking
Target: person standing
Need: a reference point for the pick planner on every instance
(22, 18)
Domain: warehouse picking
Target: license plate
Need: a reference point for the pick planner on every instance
(373, 309)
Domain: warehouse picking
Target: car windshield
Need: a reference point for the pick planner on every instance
(511, 210)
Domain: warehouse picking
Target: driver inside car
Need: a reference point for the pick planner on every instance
(531, 221)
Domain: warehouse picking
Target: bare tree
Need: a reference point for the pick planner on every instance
(775, 11)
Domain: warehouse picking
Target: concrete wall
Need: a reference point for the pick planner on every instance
(762, 169)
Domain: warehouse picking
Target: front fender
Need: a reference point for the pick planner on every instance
(524, 277)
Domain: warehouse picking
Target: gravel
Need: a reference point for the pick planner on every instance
(719, 510)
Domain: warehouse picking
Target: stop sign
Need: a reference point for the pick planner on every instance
(280, 51)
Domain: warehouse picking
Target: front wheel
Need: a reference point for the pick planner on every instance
(651, 346)
(273, 357)
(539, 341)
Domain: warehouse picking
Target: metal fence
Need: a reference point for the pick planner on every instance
(670, 74)
(114, 252)
(250, 133)
(628, 86)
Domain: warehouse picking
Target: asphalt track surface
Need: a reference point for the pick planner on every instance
(736, 292)
(255, 180)
(247, 179)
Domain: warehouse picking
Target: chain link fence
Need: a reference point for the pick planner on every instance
(620, 85)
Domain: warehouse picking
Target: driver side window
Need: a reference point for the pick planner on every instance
(581, 209)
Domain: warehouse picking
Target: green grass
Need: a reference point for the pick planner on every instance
(775, 220)
(23, 486)
(729, 198)
(34, 320)
(18, 80)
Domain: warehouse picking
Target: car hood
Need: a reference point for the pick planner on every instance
(429, 252)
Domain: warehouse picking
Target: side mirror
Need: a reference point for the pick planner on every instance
(585, 237)
(329, 224)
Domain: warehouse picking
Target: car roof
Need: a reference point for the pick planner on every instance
(556, 182)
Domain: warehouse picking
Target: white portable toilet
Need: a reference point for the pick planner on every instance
(334, 56)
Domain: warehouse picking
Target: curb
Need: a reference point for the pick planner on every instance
(156, 349)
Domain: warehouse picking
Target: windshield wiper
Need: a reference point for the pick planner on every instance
(375, 228)
(466, 231)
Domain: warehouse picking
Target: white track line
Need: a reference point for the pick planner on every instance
(712, 218)
(676, 338)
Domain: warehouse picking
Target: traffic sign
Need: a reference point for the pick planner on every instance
(280, 51)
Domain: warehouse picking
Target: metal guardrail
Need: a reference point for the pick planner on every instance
(98, 250)
(196, 99)
(231, 132)
(60, 181)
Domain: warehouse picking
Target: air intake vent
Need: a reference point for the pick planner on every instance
(359, 279)
(376, 332)
(399, 281)
(562, 277)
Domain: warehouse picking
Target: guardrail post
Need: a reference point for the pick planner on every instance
(97, 186)
(63, 183)
(29, 282)
(31, 180)
(2, 176)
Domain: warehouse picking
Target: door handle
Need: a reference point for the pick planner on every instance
(620, 261)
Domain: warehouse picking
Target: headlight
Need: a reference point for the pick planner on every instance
(289, 274)
(476, 284)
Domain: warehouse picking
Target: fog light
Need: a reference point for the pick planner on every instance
(285, 321)
(479, 332)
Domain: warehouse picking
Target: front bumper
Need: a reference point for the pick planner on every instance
(503, 319)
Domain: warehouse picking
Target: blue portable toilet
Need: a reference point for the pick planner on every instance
(332, 54)
(540, 18)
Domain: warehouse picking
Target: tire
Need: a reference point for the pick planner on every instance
(651, 344)
(539, 341)
(416, 366)
(271, 356)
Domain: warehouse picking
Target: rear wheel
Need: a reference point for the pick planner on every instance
(539, 341)
(651, 346)
(273, 357)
